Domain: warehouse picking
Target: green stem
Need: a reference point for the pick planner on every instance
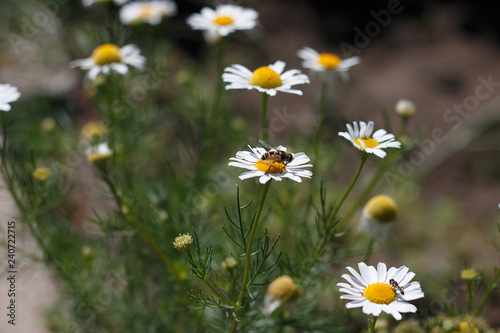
(212, 286)
(263, 134)
(218, 76)
(404, 126)
(364, 156)
(470, 296)
(248, 251)
(329, 229)
(493, 285)
(371, 325)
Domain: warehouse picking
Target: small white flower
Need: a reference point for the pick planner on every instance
(322, 62)
(271, 169)
(405, 108)
(267, 79)
(88, 3)
(107, 57)
(361, 137)
(372, 290)
(224, 20)
(150, 12)
(378, 216)
(8, 94)
(96, 153)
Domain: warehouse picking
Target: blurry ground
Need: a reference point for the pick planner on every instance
(423, 54)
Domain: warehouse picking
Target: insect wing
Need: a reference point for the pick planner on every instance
(267, 145)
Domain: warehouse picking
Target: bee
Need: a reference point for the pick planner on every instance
(275, 155)
(396, 286)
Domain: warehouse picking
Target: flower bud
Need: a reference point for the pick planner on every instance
(405, 108)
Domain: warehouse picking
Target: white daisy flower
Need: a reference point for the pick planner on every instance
(268, 79)
(107, 57)
(322, 62)
(361, 137)
(267, 168)
(150, 12)
(224, 20)
(378, 290)
(100, 152)
(88, 3)
(378, 216)
(405, 108)
(8, 94)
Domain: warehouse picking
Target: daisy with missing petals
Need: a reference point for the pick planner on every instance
(267, 165)
(267, 79)
(324, 62)
(107, 57)
(361, 137)
(224, 20)
(8, 94)
(377, 290)
(150, 12)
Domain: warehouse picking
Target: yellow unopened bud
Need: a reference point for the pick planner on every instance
(284, 288)
(94, 130)
(381, 208)
(405, 108)
(183, 242)
(469, 274)
(41, 175)
(466, 328)
(229, 263)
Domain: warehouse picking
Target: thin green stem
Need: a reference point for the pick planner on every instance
(248, 251)
(470, 296)
(323, 106)
(218, 76)
(212, 286)
(364, 156)
(371, 325)
(330, 226)
(492, 286)
(404, 126)
(264, 131)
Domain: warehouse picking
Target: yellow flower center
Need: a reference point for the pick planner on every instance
(223, 20)
(369, 142)
(329, 60)
(41, 174)
(106, 54)
(96, 157)
(270, 166)
(380, 293)
(466, 328)
(266, 78)
(382, 208)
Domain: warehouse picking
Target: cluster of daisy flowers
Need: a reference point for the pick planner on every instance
(374, 290)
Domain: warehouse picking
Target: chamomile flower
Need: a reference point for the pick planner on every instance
(150, 12)
(267, 79)
(88, 3)
(108, 57)
(223, 20)
(269, 168)
(8, 94)
(323, 62)
(281, 291)
(405, 108)
(377, 290)
(378, 216)
(100, 152)
(361, 137)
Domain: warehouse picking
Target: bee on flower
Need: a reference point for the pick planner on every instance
(377, 290)
(109, 57)
(274, 164)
